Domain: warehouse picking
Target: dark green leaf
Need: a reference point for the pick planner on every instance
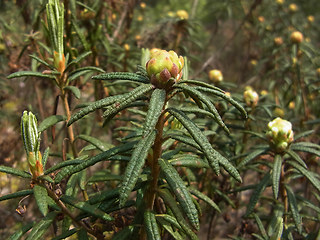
(19, 233)
(50, 121)
(41, 227)
(172, 204)
(75, 91)
(224, 96)
(257, 193)
(296, 157)
(252, 156)
(86, 207)
(42, 61)
(29, 74)
(309, 175)
(78, 59)
(294, 209)
(21, 193)
(260, 226)
(122, 76)
(96, 142)
(204, 198)
(207, 102)
(41, 194)
(93, 160)
(179, 188)
(300, 148)
(151, 226)
(156, 104)
(276, 173)
(127, 99)
(278, 231)
(45, 157)
(81, 71)
(187, 160)
(14, 171)
(134, 166)
(92, 107)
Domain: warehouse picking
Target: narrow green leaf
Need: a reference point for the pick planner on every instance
(29, 74)
(21, 193)
(50, 121)
(224, 96)
(294, 209)
(313, 180)
(14, 171)
(278, 231)
(201, 83)
(122, 76)
(204, 198)
(78, 59)
(212, 155)
(260, 226)
(180, 190)
(96, 142)
(81, 36)
(127, 99)
(86, 207)
(151, 226)
(167, 226)
(41, 227)
(63, 164)
(257, 193)
(184, 139)
(156, 104)
(190, 161)
(92, 107)
(172, 204)
(19, 233)
(134, 166)
(252, 156)
(82, 71)
(41, 194)
(93, 160)
(75, 91)
(170, 219)
(308, 144)
(296, 157)
(42, 61)
(300, 148)
(276, 172)
(45, 157)
(303, 134)
(207, 102)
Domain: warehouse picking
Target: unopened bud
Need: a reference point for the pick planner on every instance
(215, 76)
(296, 37)
(279, 134)
(164, 68)
(251, 97)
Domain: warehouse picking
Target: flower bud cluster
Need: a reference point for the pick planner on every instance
(164, 68)
(279, 134)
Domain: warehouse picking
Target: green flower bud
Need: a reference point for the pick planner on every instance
(31, 142)
(164, 68)
(280, 134)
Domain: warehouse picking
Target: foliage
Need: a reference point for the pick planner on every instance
(136, 142)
